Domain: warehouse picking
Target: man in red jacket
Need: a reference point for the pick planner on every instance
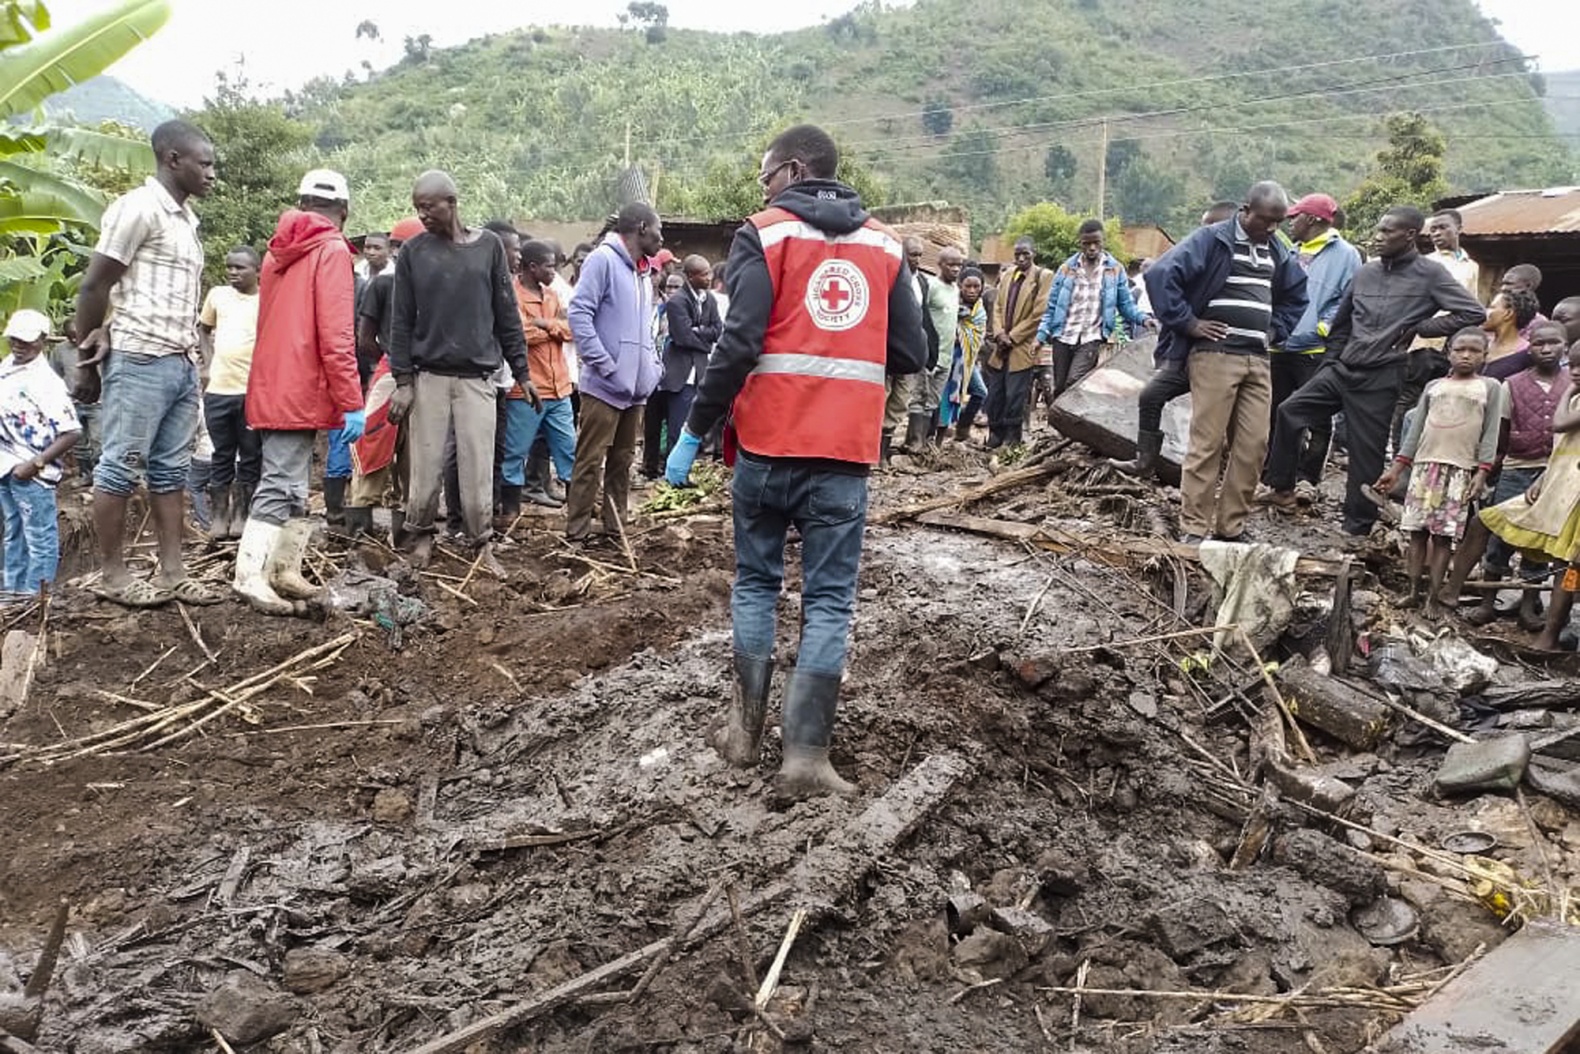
(304, 379)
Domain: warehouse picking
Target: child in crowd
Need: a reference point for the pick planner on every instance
(1449, 447)
(37, 427)
(1531, 398)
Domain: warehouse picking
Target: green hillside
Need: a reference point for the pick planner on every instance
(991, 105)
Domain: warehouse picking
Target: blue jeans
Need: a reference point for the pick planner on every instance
(523, 425)
(149, 413)
(32, 541)
(830, 511)
(1512, 482)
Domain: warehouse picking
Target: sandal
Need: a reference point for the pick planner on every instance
(191, 591)
(136, 593)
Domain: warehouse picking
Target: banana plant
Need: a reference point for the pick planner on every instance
(46, 217)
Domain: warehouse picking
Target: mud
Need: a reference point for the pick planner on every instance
(523, 793)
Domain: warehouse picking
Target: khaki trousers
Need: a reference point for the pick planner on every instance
(1231, 397)
(605, 448)
(468, 404)
(897, 403)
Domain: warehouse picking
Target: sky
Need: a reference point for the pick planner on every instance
(283, 43)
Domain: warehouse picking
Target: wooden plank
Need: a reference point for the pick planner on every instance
(1520, 999)
(1108, 548)
(825, 875)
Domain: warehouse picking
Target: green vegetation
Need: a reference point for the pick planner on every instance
(1408, 171)
(992, 105)
(1055, 232)
(55, 180)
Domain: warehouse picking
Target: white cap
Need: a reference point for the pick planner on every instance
(323, 183)
(28, 325)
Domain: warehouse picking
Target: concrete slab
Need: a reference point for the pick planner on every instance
(1101, 410)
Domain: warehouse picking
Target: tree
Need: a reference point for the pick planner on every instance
(653, 18)
(370, 29)
(937, 117)
(48, 213)
(1148, 192)
(418, 48)
(1408, 171)
(1059, 164)
(261, 156)
(1056, 232)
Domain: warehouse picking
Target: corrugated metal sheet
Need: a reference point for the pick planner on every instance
(1536, 212)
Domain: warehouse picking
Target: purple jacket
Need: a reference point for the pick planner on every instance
(611, 317)
(1531, 414)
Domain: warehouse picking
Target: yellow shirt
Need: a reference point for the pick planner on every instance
(234, 318)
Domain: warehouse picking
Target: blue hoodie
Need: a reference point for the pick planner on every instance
(611, 317)
(1115, 298)
(1330, 263)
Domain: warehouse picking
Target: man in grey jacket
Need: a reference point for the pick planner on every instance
(1396, 296)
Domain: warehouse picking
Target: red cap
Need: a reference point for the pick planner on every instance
(1321, 206)
(406, 229)
(664, 256)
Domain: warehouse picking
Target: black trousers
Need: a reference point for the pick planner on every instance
(1170, 381)
(238, 450)
(1421, 367)
(1072, 362)
(1291, 372)
(654, 417)
(1006, 402)
(1367, 398)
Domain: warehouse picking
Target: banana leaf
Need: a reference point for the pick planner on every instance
(87, 202)
(37, 212)
(55, 61)
(20, 19)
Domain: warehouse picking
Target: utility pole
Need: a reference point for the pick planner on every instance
(1102, 172)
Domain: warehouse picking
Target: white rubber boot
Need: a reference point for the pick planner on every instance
(285, 561)
(252, 559)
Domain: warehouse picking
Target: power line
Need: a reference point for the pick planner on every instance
(1204, 79)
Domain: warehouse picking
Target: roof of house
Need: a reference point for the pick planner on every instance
(1554, 212)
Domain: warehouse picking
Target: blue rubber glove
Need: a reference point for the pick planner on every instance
(356, 421)
(682, 453)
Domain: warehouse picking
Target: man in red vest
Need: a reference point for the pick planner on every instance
(822, 307)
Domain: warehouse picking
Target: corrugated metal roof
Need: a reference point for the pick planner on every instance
(1555, 211)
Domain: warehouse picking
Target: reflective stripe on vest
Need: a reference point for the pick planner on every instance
(817, 390)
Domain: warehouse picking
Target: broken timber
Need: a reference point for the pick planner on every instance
(1520, 997)
(824, 876)
(1107, 548)
(1328, 703)
(1002, 482)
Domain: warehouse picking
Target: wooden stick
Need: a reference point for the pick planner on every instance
(771, 982)
(152, 667)
(38, 984)
(1416, 715)
(197, 638)
(968, 989)
(1035, 601)
(1278, 698)
(1075, 1001)
(1373, 1000)
(1196, 631)
(1003, 481)
(658, 963)
(312, 728)
(225, 1047)
(742, 945)
(127, 700)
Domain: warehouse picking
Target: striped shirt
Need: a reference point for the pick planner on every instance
(1245, 303)
(154, 307)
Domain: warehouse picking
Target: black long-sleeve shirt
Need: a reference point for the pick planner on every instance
(1392, 301)
(455, 312)
(828, 206)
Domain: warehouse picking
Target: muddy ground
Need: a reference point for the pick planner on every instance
(412, 840)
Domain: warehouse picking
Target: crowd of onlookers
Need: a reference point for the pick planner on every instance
(490, 368)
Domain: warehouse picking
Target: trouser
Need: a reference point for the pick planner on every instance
(1228, 429)
(32, 537)
(454, 517)
(1006, 401)
(925, 389)
(830, 511)
(654, 417)
(1513, 482)
(389, 486)
(86, 452)
(897, 401)
(337, 464)
(200, 476)
(1291, 372)
(149, 410)
(605, 448)
(1421, 367)
(1368, 398)
(501, 412)
(1167, 383)
(524, 426)
(238, 454)
(465, 404)
(1072, 362)
(976, 395)
(282, 486)
(679, 409)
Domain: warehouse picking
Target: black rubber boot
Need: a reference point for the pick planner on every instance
(810, 703)
(219, 512)
(359, 520)
(739, 735)
(335, 501)
(509, 502)
(397, 529)
(885, 448)
(1149, 448)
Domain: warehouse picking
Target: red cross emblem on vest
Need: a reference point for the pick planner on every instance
(837, 295)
